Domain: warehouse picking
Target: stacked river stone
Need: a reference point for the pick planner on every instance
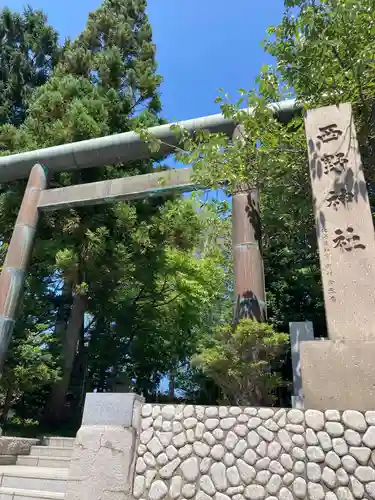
(226, 453)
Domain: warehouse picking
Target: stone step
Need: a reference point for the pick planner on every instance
(60, 442)
(51, 451)
(8, 460)
(33, 478)
(17, 494)
(42, 461)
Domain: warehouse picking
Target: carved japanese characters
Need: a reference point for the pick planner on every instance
(344, 222)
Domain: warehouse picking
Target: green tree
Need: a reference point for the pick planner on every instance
(193, 385)
(324, 54)
(28, 52)
(131, 279)
(158, 298)
(244, 362)
(105, 81)
(271, 156)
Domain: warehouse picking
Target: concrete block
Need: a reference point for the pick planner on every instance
(54, 462)
(102, 461)
(16, 446)
(51, 462)
(109, 409)
(298, 402)
(103, 457)
(27, 460)
(338, 375)
(8, 460)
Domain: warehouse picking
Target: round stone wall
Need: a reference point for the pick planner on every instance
(225, 453)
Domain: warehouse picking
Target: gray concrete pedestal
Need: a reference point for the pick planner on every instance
(102, 463)
(338, 375)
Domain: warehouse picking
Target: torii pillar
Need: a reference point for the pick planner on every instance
(247, 255)
(250, 292)
(14, 269)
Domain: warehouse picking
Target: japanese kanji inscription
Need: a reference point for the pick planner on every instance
(338, 197)
(335, 163)
(344, 223)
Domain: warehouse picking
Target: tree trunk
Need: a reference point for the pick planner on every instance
(7, 403)
(63, 309)
(83, 391)
(56, 403)
(171, 386)
(78, 374)
(63, 312)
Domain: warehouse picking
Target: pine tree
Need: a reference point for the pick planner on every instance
(105, 81)
(28, 51)
(117, 262)
(128, 286)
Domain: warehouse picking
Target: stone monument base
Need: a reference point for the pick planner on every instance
(338, 375)
(102, 465)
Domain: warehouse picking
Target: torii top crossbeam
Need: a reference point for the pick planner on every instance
(118, 148)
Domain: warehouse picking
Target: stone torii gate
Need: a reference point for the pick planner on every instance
(344, 230)
(119, 148)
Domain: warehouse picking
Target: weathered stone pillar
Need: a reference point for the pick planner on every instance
(102, 464)
(340, 372)
(300, 331)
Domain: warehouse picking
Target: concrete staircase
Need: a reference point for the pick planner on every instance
(40, 475)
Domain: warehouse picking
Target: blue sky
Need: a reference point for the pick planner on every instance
(202, 45)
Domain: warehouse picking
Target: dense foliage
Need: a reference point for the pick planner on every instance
(116, 294)
(244, 362)
(28, 53)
